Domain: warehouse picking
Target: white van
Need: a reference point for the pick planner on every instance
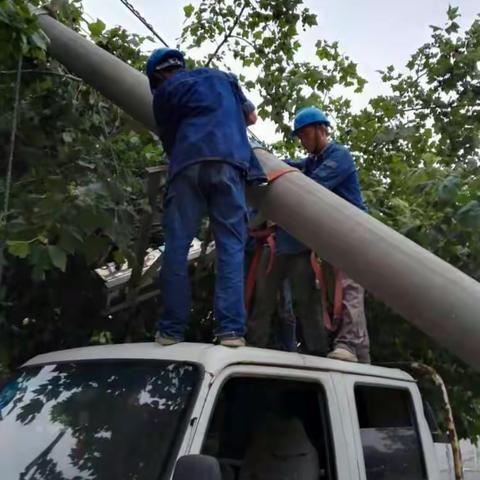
(198, 411)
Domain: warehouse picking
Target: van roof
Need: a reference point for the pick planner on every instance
(215, 358)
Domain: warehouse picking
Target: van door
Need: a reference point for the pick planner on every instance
(274, 423)
(390, 431)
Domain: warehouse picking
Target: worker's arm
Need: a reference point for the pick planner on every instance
(334, 169)
(300, 164)
(251, 118)
(166, 120)
(248, 108)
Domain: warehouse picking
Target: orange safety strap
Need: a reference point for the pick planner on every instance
(337, 296)
(262, 237)
(276, 174)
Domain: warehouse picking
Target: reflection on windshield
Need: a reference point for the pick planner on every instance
(93, 420)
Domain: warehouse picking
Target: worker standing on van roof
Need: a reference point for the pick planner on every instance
(332, 166)
(291, 263)
(202, 115)
(267, 292)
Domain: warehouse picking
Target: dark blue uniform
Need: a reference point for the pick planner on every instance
(333, 169)
(201, 121)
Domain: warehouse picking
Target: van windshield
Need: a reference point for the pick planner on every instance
(94, 420)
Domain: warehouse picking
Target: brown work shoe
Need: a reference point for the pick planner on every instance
(343, 354)
(164, 340)
(233, 342)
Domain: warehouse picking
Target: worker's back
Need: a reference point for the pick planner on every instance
(199, 114)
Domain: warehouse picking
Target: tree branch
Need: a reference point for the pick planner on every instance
(43, 72)
(227, 35)
(248, 42)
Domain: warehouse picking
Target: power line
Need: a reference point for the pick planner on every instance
(150, 27)
(13, 134)
(143, 20)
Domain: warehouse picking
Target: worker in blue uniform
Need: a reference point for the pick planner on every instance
(332, 166)
(291, 266)
(277, 331)
(202, 115)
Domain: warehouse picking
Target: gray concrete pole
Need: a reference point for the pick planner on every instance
(434, 296)
(113, 78)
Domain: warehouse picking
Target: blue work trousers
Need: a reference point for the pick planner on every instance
(216, 189)
(286, 336)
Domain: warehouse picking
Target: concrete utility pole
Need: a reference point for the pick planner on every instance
(430, 293)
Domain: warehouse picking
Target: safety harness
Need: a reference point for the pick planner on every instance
(331, 317)
(266, 237)
(263, 237)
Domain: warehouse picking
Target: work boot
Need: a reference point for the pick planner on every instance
(232, 342)
(343, 354)
(164, 340)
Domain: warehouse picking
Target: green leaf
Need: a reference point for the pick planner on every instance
(119, 256)
(430, 159)
(469, 215)
(452, 28)
(69, 241)
(18, 248)
(448, 189)
(38, 274)
(188, 10)
(39, 257)
(94, 248)
(58, 257)
(96, 28)
(452, 13)
(40, 40)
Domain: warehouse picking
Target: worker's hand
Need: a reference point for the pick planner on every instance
(251, 118)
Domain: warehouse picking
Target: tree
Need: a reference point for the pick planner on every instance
(76, 187)
(77, 191)
(419, 154)
(262, 38)
(417, 149)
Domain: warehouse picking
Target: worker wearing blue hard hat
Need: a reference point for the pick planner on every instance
(332, 166)
(161, 63)
(309, 116)
(202, 115)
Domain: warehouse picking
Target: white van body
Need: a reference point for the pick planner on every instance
(262, 413)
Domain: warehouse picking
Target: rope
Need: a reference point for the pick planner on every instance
(143, 20)
(13, 135)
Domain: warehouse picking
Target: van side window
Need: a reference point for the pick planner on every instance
(271, 429)
(391, 444)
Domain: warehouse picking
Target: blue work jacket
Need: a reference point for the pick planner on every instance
(334, 169)
(200, 116)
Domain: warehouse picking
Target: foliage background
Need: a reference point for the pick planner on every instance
(78, 193)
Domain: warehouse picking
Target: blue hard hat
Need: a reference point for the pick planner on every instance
(163, 58)
(309, 116)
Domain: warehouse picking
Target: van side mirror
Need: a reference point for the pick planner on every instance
(197, 467)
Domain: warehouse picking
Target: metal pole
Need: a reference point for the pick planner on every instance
(430, 293)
